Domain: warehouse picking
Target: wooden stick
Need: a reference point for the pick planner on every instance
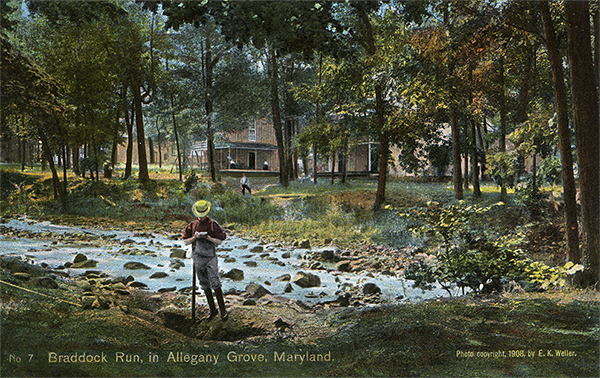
(193, 291)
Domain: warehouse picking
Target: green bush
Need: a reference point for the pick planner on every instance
(462, 253)
(552, 277)
(550, 170)
(530, 196)
(502, 165)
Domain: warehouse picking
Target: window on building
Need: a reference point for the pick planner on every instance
(252, 133)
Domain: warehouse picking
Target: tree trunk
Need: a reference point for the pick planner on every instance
(474, 162)
(208, 107)
(344, 160)
(96, 162)
(58, 189)
(151, 150)
(503, 190)
(315, 163)
(385, 149)
(455, 130)
(22, 149)
(534, 172)
(596, 18)
(276, 112)
(64, 154)
(585, 114)
(159, 143)
(176, 139)
(333, 156)
(129, 122)
(75, 155)
(175, 129)
(456, 156)
(141, 138)
(466, 155)
(289, 106)
(115, 143)
(484, 146)
(21, 142)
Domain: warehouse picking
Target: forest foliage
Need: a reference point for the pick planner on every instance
(81, 78)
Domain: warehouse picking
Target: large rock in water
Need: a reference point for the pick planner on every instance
(371, 289)
(135, 265)
(305, 280)
(81, 261)
(178, 253)
(159, 275)
(85, 264)
(344, 266)
(235, 274)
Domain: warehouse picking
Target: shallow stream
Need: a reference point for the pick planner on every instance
(113, 249)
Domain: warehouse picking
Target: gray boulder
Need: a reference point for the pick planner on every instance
(167, 289)
(137, 284)
(305, 280)
(177, 253)
(371, 289)
(46, 282)
(328, 254)
(305, 244)
(176, 264)
(84, 264)
(344, 266)
(257, 249)
(235, 274)
(285, 277)
(132, 265)
(256, 291)
(159, 275)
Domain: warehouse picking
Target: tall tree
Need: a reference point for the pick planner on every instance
(562, 112)
(587, 131)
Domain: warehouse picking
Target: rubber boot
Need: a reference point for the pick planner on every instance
(221, 302)
(211, 303)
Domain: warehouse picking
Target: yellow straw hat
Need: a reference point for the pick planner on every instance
(201, 208)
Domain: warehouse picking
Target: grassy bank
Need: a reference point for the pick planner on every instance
(496, 336)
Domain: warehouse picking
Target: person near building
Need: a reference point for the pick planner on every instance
(245, 184)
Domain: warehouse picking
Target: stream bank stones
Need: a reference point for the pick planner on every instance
(81, 261)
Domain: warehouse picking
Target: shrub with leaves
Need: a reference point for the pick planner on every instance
(465, 256)
(550, 170)
(502, 165)
(531, 198)
(552, 277)
(191, 182)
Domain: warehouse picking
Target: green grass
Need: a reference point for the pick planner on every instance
(410, 340)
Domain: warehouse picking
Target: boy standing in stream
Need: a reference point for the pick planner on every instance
(204, 234)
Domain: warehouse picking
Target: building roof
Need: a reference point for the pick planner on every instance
(201, 146)
(245, 146)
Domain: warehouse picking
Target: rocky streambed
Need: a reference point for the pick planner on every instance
(111, 269)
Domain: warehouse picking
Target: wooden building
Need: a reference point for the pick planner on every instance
(252, 148)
